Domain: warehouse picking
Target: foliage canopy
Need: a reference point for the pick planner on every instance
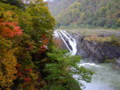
(27, 60)
(86, 13)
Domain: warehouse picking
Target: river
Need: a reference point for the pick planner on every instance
(105, 77)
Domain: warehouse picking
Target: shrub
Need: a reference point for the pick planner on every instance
(7, 64)
(60, 70)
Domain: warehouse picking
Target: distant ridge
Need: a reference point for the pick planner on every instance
(86, 13)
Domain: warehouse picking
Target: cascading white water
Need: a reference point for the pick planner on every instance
(68, 40)
(105, 77)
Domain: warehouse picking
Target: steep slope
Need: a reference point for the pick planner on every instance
(84, 13)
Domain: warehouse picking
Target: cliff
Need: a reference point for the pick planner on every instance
(98, 48)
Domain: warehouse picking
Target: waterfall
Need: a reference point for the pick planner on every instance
(68, 40)
(105, 78)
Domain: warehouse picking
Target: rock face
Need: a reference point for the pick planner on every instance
(118, 62)
(92, 50)
(98, 52)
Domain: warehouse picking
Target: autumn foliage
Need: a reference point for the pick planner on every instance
(8, 28)
(8, 60)
(45, 41)
(25, 37)
(27, 59)
(7, 64)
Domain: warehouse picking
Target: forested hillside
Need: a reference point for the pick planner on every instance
(86, 13)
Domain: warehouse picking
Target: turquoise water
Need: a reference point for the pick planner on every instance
(106, 77)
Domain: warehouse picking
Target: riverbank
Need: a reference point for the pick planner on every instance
(106, 75)
(98, 45)
(97, 31)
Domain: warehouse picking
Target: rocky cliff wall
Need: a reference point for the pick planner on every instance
(96, 51)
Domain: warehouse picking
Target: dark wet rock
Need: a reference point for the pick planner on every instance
(96, 51)
(118, 62)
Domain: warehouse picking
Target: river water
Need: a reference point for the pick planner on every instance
(106, 77)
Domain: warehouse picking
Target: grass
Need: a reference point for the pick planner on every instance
(99, 31)
(112, 39)
(98, 39)
(99, 35)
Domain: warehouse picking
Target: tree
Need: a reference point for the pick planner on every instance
(17, 3)
(42, 21)
(92, 13)
(60, 70)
